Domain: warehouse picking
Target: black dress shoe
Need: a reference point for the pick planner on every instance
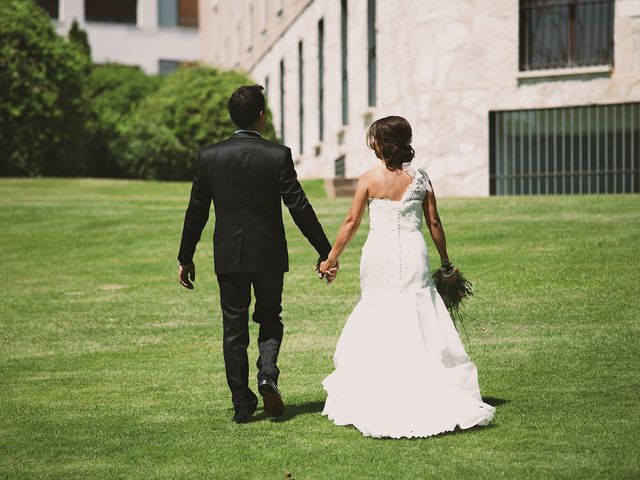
(273, 404)
(244, 412)
(242, 418)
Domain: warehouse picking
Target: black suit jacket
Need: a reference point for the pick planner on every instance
(246, 176)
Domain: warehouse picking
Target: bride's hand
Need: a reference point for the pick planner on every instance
(328, 270)
(452, 277)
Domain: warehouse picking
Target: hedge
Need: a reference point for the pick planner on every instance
(187, 112)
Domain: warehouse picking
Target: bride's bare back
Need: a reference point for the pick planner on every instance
(386, 184)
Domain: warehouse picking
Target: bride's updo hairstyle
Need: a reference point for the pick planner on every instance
(390, 138)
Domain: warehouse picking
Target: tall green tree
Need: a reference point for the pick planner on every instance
(79, 38)
(42, 112)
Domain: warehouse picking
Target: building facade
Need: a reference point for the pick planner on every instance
(157, 35)
(504, 96)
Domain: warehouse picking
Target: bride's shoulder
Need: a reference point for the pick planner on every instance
(368, 177)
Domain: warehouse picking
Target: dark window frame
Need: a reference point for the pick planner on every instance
(551, 29)
(175, 13)
(586, 149)
(339, 167)
(343, 60)
(51, 7)
(301, 95)
(95, 12)
(371, 52)
(282, 105)
(321, 79)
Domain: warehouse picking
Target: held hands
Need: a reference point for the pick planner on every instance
(186, 271)
(328, 269)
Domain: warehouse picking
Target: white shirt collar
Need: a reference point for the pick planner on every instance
(247, 131)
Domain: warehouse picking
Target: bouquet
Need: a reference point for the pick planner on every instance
(453, 287)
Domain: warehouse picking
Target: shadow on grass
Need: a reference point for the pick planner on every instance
(493, 401)
(292, 411)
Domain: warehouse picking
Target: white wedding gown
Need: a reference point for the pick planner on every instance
(400, 367)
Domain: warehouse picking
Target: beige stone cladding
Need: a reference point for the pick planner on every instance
(442, 65)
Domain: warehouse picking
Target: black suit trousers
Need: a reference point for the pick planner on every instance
(235, 299)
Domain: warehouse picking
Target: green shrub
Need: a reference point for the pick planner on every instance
(187, 112)
(112, 90)
(79, 38)
(42, 112)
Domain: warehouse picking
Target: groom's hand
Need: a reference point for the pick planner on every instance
(186, 271)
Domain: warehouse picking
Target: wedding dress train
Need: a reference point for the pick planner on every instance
(400, 367)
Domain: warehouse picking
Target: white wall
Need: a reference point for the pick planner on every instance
(305, 28)
(459, 60)
(143, 44)
(442, 65)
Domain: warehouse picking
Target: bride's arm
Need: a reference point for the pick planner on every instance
(430, 207)
(349, 226)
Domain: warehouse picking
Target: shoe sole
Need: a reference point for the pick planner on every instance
(273, 404)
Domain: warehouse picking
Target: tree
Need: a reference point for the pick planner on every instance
(42, 112)
(79, 38)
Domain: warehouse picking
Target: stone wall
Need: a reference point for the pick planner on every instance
(442, 65)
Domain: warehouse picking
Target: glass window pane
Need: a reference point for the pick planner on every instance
(114, 11)
(50, 6)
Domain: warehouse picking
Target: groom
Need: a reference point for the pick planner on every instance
(246, 176)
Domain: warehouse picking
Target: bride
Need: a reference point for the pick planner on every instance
(400, 367)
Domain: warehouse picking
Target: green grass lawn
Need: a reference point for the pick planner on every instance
(109, 369)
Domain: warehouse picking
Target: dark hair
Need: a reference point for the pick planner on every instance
(245, 105)
(390, 138)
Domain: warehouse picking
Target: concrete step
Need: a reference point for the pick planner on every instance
(340, 187)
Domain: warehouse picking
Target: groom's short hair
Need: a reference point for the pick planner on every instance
(245, 105)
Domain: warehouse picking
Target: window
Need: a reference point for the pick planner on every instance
(188, 13)
(51, 7)
(591, 149)
(168, 66)
(114, 11)
(174, 13)
(321, 79)
(301, 95)
(565, 33)
(371, 58)
(339, 167)
(343, 49)
(282, 100)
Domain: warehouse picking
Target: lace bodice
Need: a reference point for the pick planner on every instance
(406, 213)
(394, 256)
